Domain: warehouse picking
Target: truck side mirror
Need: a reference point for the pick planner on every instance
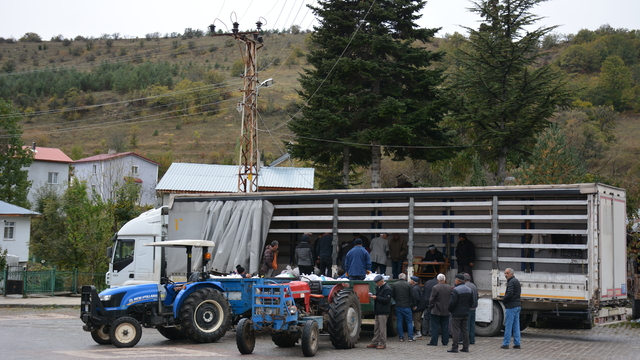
(109, 252)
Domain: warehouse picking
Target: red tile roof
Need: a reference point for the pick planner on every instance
(50, 154)
(105, 157)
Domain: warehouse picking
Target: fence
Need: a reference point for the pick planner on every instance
(17, 280)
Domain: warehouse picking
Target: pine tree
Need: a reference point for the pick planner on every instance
(14, 185)
(370, 87)
(501, 97)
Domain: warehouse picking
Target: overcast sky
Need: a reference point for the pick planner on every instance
(135, 18)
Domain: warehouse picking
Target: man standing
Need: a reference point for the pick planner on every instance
(270, 259)
(426, 320)
(398, 251)
(472, 311)
(324, 250)
(304, 256)
(459, 305)
(466, 255)
(511, 302)
(439, 307)
(357, 261)
(381, 310)
(403, 295)
(379, 251)
(419, 304)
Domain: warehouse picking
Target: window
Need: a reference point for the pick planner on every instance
(134, 170)
(53, 178)
(95, 168)
(9, 230)
(123, 253)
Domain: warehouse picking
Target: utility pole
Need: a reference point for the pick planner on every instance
(249, 158)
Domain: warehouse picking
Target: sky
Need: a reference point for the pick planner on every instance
(136, 18)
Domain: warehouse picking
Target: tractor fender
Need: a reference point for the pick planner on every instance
(334, 291)
(190, 288)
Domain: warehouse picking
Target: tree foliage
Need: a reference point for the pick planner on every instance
(500, 97)
(369, 85)
(14, 185)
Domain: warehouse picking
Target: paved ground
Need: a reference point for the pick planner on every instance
(554, 341)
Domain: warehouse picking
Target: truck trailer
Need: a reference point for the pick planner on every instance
(566, 243)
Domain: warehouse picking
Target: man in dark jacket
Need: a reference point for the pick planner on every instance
(381, 310)
(432, 254)
(398, 251)
(439, 307)
(426, 320)
(459, 305)
(419, 304)
(357, 261)
(304, 256)
(511, 302)
(324, 251)
(465, 255)
(403, 295)
(472, 311)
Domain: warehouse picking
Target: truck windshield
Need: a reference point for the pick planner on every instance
(123, 253)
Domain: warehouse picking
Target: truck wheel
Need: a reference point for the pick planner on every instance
(493, 328)
(310, 335)
(587, 324)
(125, 332)
(205, 315)
(525, 321)
(392, 323)
(172, 333)
(101, 335)
(285, 339)
(345, 318)
(245, 336)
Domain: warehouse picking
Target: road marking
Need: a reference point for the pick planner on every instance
(156, 352)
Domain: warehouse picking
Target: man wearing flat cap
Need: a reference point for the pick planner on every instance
(381, 310)
(460, 303)
(432, 254)
(419, 305)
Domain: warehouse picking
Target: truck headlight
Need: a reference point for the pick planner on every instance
(105, 297)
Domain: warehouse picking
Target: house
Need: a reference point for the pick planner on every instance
(16, 224)
(50, 168)
(184, 178)
(105, 173)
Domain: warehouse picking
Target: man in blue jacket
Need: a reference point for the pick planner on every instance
(357, 262)
(460, 303)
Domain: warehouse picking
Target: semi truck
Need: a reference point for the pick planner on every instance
(566, 242)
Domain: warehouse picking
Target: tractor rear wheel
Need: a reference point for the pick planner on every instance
(310, 334)
(125, 332)
(285, 339)
(205, 315)
(245, 336)
(345, 318)
(101, 335)
(172, 333)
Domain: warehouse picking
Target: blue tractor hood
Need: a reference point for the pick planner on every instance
(129, 295)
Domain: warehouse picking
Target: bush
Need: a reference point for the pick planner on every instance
(66, 42)
(31, 37)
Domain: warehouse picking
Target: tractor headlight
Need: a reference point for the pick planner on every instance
(105, 297)
(293, 309)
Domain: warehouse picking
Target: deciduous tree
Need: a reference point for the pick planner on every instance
(14, 185)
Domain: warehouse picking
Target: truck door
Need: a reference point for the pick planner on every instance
(122, 261)
(143, 263)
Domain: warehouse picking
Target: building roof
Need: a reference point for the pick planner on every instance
(49, 154)
(207, 178)
(106, 157)
(7, 209)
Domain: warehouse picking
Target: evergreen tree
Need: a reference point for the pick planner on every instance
(554, 161)
(501, 97)
(370, 87)
(14, 185)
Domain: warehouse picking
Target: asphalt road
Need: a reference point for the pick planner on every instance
(56, 333)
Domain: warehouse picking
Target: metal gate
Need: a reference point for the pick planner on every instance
(15, 279)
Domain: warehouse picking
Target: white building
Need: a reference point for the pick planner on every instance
(105, 173)
(50, 168)
(16, 230)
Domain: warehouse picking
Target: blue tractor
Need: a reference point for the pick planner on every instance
(196, 310)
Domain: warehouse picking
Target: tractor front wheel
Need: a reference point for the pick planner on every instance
(125, 332)
(310, 333)
(245, 336)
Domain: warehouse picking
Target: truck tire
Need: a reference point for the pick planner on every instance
(101, 335)
(345, 319)
(285, 339)
(245, 336)
(172, 333)
(125, 332)
(493, 328)
(392, 323)
(525, 321)
(310, 334)
(205, 315)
